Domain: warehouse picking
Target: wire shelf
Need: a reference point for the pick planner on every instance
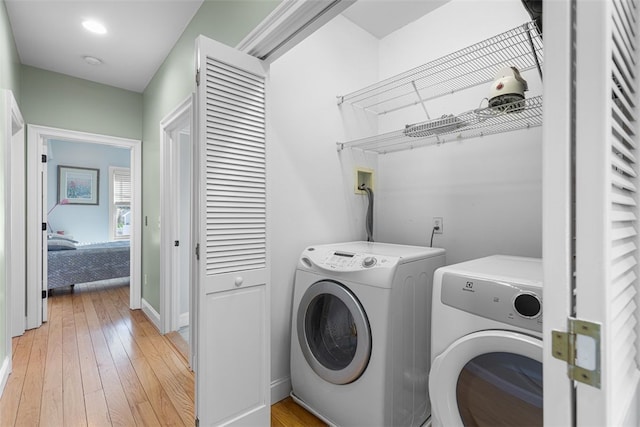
(517, 115)
(520, 47)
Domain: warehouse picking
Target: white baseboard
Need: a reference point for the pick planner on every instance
(280, 389)
(183, 320)
(151, 314)
(5, 370)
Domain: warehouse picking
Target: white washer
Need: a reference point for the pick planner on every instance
(360, 332)
(486, 341)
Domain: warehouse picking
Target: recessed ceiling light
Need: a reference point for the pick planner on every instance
(92, 60)
(94, 26)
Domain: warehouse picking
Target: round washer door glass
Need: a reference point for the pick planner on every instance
(500, 389)
(333, 331)
(488, 378)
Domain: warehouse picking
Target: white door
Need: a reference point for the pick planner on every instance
(44, 235)
(37, 228)
(605, 211)
(232, 292)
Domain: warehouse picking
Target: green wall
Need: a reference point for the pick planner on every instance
(225, 21)
(9, 60)
(9, 80)
(60, 101)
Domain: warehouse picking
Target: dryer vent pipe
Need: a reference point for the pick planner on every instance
(369, 219)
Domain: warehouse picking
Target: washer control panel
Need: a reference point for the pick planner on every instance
(345, 261)
(513, 304)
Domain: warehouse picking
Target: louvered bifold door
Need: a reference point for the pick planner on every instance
(232, 375)
(606, 203)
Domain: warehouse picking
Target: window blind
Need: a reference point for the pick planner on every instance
(121, 186)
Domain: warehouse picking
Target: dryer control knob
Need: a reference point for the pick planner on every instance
(369, 262)
(527, 305)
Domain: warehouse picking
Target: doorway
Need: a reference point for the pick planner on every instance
(37, 229)
(176, 202)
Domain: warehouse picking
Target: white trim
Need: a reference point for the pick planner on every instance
(5, 370)
(14, 249)
(169, 292)
(287, 25)
(151, 313)
(280, 389)
(183, 320)
(14, 125)
(557, 252)
(36, 137)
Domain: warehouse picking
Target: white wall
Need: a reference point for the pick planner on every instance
(488, 190)
(310, 184)
(86, 223)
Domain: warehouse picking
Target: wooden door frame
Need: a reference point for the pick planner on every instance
(36, 137)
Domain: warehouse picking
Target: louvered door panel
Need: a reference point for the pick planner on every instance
(623, 219)
(233, 312)
(606, 203)
(235, 169)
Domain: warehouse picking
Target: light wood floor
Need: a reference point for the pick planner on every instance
(97, 363)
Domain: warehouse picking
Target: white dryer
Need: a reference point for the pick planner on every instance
(360, 332)
(486, 340)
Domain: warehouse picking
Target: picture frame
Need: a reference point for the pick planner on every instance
(78, 185)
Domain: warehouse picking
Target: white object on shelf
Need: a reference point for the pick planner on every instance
(520, 47)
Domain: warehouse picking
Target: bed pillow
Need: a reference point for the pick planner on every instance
(60, 245)
(61, 237)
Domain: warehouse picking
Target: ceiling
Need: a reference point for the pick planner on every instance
(140, 33)
(382, 17)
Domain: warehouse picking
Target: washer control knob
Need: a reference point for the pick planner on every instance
(527, 305)
(369, 262)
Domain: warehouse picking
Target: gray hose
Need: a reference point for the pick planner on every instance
(369, 220)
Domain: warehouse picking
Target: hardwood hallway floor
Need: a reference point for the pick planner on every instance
(97, 363)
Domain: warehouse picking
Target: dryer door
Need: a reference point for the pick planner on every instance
(488, 378)
(333, 332)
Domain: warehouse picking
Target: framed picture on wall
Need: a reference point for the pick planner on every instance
(78, 186)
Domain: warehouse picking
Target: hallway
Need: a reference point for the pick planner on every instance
(96, 363)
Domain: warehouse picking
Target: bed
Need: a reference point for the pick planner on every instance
(70, 262)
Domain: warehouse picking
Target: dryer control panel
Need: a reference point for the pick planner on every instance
(513, 304)
(345, 261)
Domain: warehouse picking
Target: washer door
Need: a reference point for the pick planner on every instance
(333, 332)
(489, 378)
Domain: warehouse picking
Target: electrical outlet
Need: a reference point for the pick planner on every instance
(438, 224)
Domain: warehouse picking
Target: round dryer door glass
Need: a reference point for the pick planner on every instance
(333, 332)
(500, 389)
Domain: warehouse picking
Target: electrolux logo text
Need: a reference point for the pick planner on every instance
(468, 286)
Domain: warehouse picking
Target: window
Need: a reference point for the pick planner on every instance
(119, 203)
